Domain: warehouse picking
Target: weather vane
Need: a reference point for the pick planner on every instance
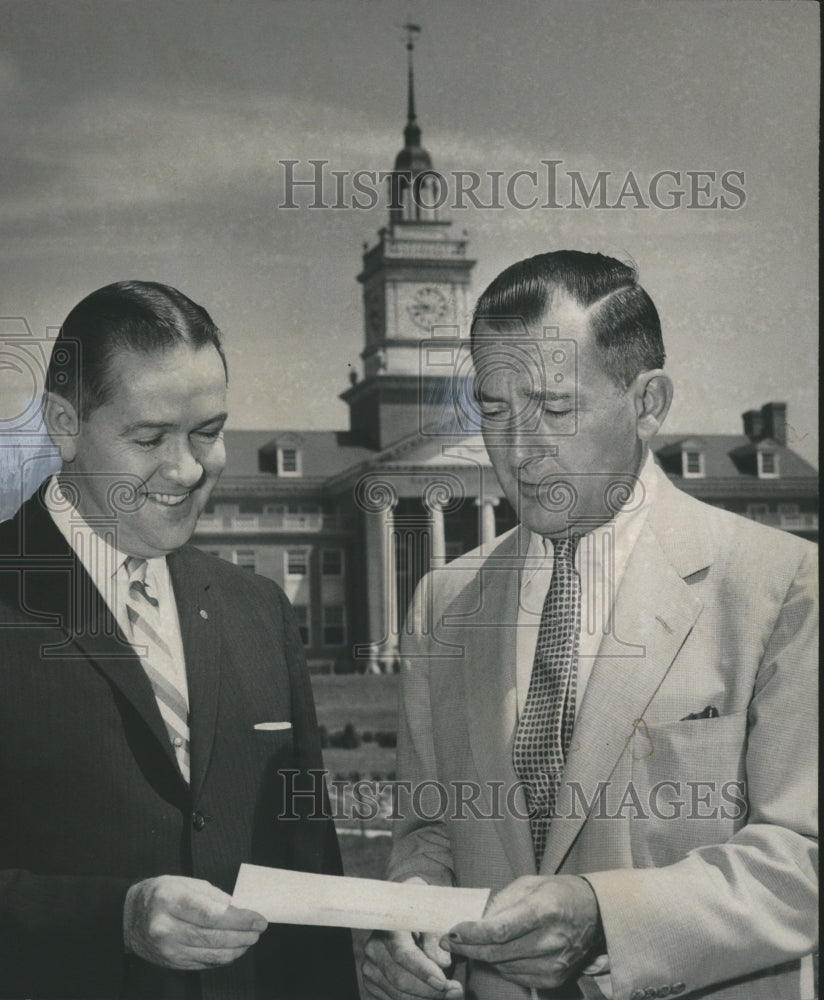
(411, 31)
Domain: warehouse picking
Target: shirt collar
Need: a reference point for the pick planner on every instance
(95, 549)
(624, 525)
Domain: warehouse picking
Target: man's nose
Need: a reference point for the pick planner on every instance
(528, 443)
(183, 467)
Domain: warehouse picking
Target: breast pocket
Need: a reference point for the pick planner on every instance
(689, 780)
(274, 746)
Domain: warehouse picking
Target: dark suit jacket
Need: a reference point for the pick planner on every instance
(91, 799)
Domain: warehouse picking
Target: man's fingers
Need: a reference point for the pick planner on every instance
(396, 966)
(431, 948)
(507, 925)
(211, 938)
(204, 905)
(397, 984)
(403, 950)
(205, 958)
(237, 919)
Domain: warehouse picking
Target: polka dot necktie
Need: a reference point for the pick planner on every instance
(156, 657)
(545, 727)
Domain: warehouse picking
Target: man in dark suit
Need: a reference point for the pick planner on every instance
(155, 712)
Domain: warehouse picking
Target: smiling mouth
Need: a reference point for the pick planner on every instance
(169, 499)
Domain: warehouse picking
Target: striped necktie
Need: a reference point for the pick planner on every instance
(545, 727)
(144, 617)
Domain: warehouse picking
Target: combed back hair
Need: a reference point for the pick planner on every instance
(623, 318)
(141, 316)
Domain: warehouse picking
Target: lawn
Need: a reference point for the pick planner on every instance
(368, 701)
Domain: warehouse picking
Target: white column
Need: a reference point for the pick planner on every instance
(437, 531)
(487, 505)
(381, 598)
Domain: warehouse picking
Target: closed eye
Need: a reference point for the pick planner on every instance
(150, 442)
(491, 409)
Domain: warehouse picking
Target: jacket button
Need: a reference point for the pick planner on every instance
(198, 821)
(637, 995)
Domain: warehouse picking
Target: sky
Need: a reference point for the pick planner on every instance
(144, 139)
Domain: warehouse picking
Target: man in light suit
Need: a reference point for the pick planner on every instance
(673, 850)
(155, 710)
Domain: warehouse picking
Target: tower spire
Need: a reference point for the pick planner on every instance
(412, 132)
(410, 185)
(411, 30)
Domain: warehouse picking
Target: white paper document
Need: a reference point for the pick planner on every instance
(288, 897)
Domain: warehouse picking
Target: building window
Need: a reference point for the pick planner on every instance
(757, 511)
(331, 562)
(692, 464)
(227, 509)
(302, 616)
(288, 462)
(334, 627)
(767, 465)
(789, 516)
(245, 558)
(275, 508)
(297, 562)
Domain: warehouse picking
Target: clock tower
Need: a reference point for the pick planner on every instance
(415, 298)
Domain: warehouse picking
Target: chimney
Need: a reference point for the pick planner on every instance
(753, 424)
(774, 417)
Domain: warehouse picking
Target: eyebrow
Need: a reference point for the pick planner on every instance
(162, 425)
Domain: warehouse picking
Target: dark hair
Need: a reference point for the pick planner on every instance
(624, 320)
(142, 316)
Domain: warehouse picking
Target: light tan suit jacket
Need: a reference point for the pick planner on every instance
(714, 897)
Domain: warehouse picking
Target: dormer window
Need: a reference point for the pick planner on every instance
(767, 464)
(289, 463)
(692, 464)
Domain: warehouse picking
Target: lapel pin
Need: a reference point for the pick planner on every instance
(204, 614)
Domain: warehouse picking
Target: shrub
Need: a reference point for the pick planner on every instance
(350, 740)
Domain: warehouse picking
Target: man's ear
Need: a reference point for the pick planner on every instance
(653, 391)
(63, 424)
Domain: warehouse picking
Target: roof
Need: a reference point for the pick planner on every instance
(720, 452)
(328, 455)
(323, 453)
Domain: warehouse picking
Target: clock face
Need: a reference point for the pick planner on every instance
(428, 306)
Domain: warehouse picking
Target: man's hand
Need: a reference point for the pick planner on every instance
(400, 965)
(537, 932)
(186, 923)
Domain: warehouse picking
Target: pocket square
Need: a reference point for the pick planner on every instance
(710, 712)
(272, 726)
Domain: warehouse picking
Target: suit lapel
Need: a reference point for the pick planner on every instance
(56, 585)
(486, 628)
(198, 610)
(655, 609)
